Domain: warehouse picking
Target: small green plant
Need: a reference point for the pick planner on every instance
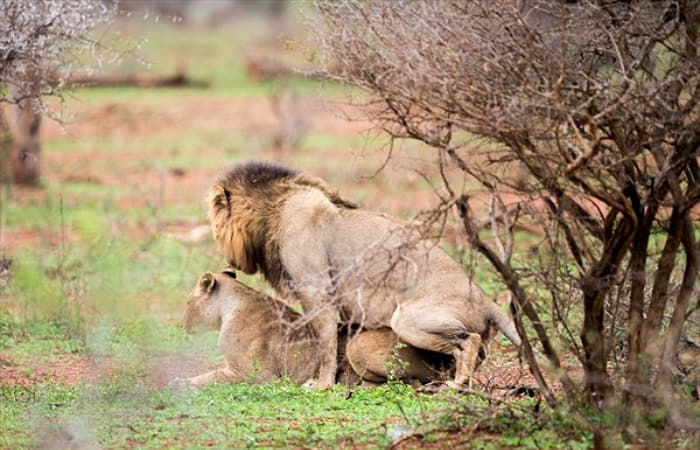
(395, 365)
(257, 370)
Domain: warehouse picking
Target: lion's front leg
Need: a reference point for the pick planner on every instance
(306, 260)
(325, 325)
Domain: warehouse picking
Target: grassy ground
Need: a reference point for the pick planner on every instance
(110, 383)
(101, 266)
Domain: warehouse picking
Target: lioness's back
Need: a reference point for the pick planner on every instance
(259, 336)
(276, 341)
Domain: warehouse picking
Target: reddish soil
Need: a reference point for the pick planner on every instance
(68, 368)
(16, 239)
(206, 114)
(502, 372)
(449, 439)
(9, 374)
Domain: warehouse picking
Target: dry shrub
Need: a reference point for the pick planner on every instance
(596, 104)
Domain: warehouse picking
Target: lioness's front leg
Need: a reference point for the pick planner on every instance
(223, 375)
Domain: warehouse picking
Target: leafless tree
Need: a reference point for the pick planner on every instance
(37, 39)
(586, 112)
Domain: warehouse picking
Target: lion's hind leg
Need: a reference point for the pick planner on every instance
(466, 359)
(429, 331)
(440, 332)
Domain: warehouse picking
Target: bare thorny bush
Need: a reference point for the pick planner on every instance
(588, 117)
(40, 43)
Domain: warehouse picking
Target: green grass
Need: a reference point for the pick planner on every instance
(122, 413)
(125, 412)
(124, 408)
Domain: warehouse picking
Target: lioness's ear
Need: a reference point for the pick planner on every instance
(207, 282)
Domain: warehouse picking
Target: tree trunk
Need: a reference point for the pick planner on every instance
(5, 148)
(25, 156)
(597, 380)
(595, 286)
(26, 150)
(637, 368)
(675, 328)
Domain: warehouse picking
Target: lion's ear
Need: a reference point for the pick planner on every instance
(207, 282)
(219, 199)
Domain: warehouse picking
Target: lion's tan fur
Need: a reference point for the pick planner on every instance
(261, 340)
(351, 264)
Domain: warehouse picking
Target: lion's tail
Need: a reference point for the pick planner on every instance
(504, 324)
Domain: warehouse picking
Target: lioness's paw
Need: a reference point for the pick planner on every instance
(179, 383)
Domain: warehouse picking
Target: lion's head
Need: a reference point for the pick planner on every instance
(244, 213)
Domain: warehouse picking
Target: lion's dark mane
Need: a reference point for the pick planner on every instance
(249, 198)
(260, 175)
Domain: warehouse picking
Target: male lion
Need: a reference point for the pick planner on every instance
(262, 339)
(347, 263)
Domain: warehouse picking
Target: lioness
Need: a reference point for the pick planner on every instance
(261, 341)
(347, 263)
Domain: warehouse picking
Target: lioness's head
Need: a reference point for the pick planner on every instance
(206, 301)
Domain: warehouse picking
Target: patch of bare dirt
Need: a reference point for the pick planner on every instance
(69, 369)
(146, 178)
(9, 374)
(503, 372)
(248, 114)
(15, 239)
(450, 438)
